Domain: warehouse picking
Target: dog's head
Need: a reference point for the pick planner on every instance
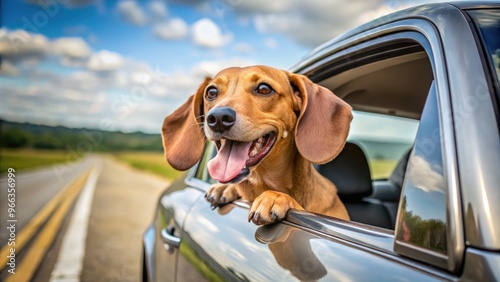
(249, 112)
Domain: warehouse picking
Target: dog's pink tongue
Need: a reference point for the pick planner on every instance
(230, 160)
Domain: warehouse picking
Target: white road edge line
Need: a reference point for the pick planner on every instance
(69, 262)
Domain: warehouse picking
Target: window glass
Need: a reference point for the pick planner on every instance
(202, 171)
(422, 217)
(383, 138)
(488, 22)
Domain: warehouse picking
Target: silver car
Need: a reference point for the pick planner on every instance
(420, 175)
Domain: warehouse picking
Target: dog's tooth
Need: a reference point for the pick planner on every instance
(254, 152)
(258, 145)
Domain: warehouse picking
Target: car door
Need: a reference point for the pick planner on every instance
(221, 245)
(163, 236)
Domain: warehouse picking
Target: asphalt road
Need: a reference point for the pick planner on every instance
(124, 203)
(34, 189)
(122, 206)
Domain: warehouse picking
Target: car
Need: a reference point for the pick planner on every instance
(419, 175)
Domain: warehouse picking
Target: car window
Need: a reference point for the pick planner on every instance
(422, 217)
(383, 138)
(201, 170)
(488, 22)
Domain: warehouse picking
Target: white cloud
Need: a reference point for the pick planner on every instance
(175, 28)
(105, 61)
(424, 176)
(313, 22)
(211, 68)
(207, 34)
(158, 9)
(316, 21)
(20, 44)
(72, 47)
(131, 12)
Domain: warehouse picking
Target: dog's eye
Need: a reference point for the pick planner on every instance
(264, 89)
(212, 93)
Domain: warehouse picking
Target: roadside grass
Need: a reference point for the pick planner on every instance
(22, 159)
(382, 169)
(153, 162)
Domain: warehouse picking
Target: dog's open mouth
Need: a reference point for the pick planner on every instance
(231, 165)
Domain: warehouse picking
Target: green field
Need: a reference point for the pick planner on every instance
(381, 169)
(21, 159)
(153, 162)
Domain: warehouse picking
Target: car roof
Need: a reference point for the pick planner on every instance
(432, 12)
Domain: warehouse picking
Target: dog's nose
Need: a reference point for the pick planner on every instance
(221, 119)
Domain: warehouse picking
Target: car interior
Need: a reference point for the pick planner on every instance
(395, 86)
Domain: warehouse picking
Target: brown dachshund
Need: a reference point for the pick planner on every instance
(270, 126)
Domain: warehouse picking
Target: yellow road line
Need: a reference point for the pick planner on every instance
(27, 267)
(26, 234)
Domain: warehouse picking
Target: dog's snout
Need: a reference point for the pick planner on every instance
(221, 119)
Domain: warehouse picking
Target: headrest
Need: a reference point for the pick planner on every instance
(350, 172)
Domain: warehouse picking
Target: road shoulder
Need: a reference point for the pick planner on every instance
(124, 203)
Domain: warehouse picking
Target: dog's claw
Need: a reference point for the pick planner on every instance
(223, 200)
(274, 216)
(250, 216)
(256, 218)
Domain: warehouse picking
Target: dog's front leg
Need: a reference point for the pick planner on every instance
(219, 194)
(271, 206)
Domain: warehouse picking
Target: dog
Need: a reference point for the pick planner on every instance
(270, 126)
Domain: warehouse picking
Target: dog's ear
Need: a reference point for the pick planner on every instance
(324, 120)
(182, 132)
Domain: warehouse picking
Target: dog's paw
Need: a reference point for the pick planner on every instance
(219, 194)
(270, 207)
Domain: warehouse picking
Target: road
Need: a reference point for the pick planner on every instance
(122, 203)
(34, 189)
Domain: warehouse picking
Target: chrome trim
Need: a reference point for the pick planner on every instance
(196, 183)
(169, 239)
(369, 238)
(358, 233)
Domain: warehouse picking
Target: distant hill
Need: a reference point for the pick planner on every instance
(28, 135)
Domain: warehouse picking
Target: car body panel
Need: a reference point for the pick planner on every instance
(213, 249)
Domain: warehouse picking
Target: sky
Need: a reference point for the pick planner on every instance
(125, 65)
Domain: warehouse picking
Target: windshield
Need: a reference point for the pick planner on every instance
(488, 22)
